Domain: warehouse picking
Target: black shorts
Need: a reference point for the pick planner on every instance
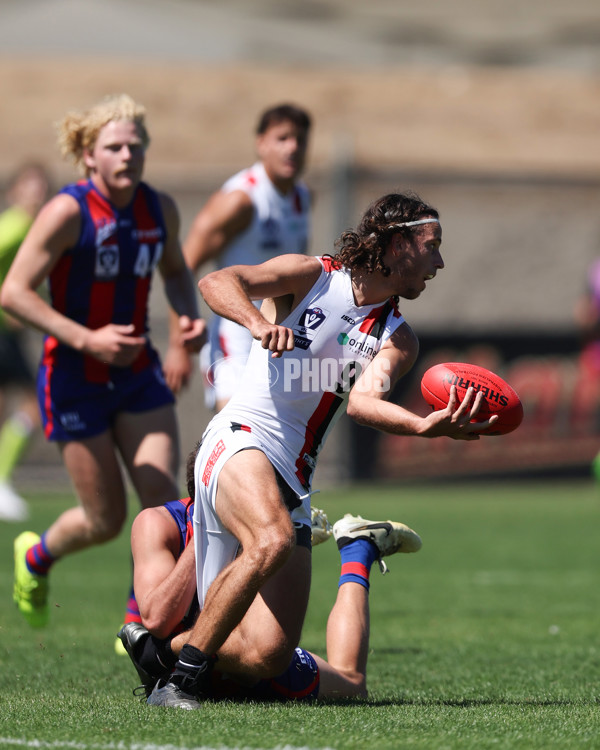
(303, 532)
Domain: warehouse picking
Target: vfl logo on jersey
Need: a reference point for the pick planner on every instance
(107, 261)
(107, 255)
(270, 231)
(306, 328)
(312, 318)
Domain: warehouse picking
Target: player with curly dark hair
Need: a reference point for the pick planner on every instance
(328, 338)
(365, 246)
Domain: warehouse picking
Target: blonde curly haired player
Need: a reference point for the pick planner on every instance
(101, 389)
(78, 130)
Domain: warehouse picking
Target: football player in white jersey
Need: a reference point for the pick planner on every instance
(259, 213)
(164, 578)
(328, 337)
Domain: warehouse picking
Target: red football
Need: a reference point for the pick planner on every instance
(499, 397)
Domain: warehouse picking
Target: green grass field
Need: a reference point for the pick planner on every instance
(487, 638)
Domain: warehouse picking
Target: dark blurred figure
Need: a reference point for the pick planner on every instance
(587, 317)
(27, 191)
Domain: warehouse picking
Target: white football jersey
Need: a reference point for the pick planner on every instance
(291, 403)
(280, 225)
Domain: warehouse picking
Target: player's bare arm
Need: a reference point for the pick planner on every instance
(179, 285)
(55, 230)
(164, 580)
(224, 216)
(230, 292)
(368, 402)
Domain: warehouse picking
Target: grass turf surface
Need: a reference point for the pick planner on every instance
(487, 638)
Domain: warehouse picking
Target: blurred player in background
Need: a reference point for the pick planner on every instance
(329, 337)
(165, 582)
(27, 192)
(259, 213)
(587, 317)
(101, 388)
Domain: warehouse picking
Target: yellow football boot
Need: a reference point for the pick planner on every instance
(30, 591)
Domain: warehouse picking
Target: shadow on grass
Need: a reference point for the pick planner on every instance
(457, 702)
(387, 702)
(398, 650)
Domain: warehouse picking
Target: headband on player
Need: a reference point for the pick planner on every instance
(430, 220)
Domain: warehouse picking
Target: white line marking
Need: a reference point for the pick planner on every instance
(72, 745)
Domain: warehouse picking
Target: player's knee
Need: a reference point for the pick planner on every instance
(278, 662)
(272, 547)
(104, 528)
(273, 659)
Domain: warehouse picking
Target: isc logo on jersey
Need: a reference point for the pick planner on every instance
(305, 329)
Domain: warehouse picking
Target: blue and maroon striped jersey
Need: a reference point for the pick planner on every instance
(182, 512)
(106, 277)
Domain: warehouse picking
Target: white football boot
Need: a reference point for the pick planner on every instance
(388, 536)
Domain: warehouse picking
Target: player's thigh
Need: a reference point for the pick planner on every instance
(248, 500)
(94, 469)
(280, 606)
(149, 445)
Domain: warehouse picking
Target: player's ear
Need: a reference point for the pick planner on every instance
(88, 160)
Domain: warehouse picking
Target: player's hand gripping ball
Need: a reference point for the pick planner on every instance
(498, 396)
